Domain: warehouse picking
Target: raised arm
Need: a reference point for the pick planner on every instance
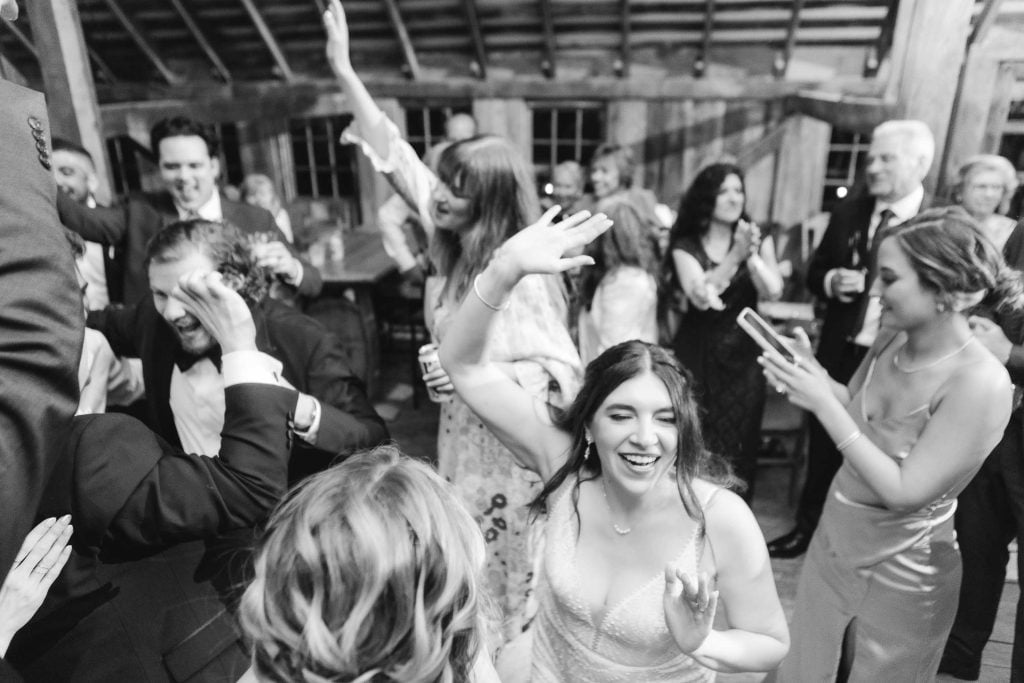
(507, 409)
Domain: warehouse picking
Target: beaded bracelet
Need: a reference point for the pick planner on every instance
(485, 302)
(848, 441)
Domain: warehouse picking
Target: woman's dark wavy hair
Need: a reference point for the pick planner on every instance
(223, 244)
(491, 173)
(629, 242)
(603, 375)
(950, 254)
(697, 205)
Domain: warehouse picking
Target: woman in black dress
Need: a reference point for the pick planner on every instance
(722, 263)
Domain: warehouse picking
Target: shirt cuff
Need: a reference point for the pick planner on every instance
(310, 434)
(827, 284)
(250, 367)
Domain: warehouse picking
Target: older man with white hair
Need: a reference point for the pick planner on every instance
(841, 273)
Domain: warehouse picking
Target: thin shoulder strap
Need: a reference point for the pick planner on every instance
(701, 531)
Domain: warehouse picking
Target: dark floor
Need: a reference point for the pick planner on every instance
(415, 431)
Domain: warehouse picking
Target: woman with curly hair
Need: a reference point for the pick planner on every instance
(984, 185)
(879, 588)
(722, 264)
(369, 571)
(483, 192)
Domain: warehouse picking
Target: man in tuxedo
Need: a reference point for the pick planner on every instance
(40, 313)
(136, 601)
(180, 360)
(187, 156)
(840, 274)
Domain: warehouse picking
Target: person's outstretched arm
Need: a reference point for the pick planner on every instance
(507, 409)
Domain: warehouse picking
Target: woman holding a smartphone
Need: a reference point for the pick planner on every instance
(880, 585)
(723, 264)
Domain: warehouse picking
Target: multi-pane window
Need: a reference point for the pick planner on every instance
(846, 155)
(566, 133)
(424, 123)
(324, 168)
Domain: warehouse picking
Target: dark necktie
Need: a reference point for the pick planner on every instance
(884, 221)
(185, 360)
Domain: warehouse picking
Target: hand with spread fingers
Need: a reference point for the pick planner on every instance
(40, 560)
(690, 606)
(805, 382)
(541, 247)
(220, 309)
(337, 39)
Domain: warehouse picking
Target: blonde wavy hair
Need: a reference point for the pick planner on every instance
(368, 571)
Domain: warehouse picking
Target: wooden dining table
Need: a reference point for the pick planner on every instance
(349, 284)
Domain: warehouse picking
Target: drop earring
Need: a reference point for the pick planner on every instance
(586, 451)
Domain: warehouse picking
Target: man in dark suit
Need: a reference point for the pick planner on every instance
(183, 394)
(40, 314)
(840, 274)
(136, 601)
(187, 156)
(990, 511)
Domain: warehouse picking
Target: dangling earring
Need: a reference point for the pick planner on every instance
(586, 451)
(940, 307)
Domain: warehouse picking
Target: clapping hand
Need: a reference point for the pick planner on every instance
(690, 606)
(37, 565)
(541, 247)
(748, 238)
(219, 309)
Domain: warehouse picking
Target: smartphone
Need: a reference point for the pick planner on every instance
(764, 334)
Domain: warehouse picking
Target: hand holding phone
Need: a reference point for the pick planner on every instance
(764, 334)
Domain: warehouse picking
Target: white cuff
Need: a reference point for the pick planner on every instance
(250, 367)
(310, 434)
(827, 284)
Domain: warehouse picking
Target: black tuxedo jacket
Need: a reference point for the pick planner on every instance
(132, 224)
(40, 317)
(847, 231)
(313, 360)
(135, 602)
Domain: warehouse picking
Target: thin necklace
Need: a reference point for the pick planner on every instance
(620, 530)
(932, 364)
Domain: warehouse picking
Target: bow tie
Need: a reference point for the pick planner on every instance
(185, 360)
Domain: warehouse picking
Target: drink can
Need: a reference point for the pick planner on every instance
(429, 362)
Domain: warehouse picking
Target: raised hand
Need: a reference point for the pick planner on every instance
(690, 606)
(40, 560)
(337, 39)
(276, 257)
(218, 308)
(541, 247)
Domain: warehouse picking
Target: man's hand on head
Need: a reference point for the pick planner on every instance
(276, 257)
(219, 309)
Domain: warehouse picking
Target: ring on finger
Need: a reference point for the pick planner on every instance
(41, 568)
(780, 388)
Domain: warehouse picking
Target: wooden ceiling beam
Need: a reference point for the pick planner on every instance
(857, 114)
(402, 34)
(22, 38)
(880, 51)
(143, 42)
(268, 39)
(791, 31)
(548, 66)
(101, 65)
(709, 25)
(477, 36)
(200, 38)
(984, 21)
(625, 48)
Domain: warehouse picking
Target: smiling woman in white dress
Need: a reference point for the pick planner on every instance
(642, 546)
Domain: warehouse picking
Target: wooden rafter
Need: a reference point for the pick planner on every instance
(269, 40)
(885, 35)
(143, 42)
(200, 38)
(625, 48)
(709, 25)
(985, 21)
(22, 38)
(791, 31)
(473, 19)
(321, 6)
(408, 52)
(548, 21)
(101, 65)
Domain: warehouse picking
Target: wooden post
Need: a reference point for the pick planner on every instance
(509, 118)
(627, 126)
(928, 48)
(803, 155)
(67, 80)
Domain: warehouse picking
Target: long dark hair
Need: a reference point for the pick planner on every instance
(492, 174)
(698, 204)
(603, 375)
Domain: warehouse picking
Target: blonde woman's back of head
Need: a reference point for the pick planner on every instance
(368, 571)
